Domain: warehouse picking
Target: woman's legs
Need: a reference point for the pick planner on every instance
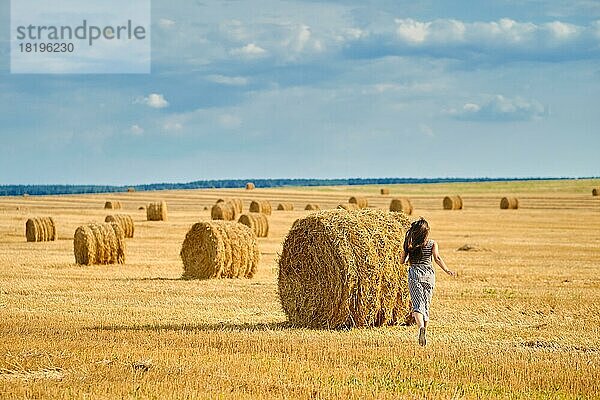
(421, 323)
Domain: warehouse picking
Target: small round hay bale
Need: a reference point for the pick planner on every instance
(312, 207)
(124, 221)
(219, 249)
(238, 204)
(509, 203)
(285, 207)
(348, 207)
(99, 244)
(40, 229)
(141, 208)
(401, 204)
(361, 202)
(130, 190)
(157, 211)
(250, 186)
(384, 191)
(112, 205)
(453, 203)
(223, 211)
(258, 222)
(261, 206)
(340, 269)
(596, 192)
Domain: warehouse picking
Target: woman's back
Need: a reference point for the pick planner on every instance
(422, 268)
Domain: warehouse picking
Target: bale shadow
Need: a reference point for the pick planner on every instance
(213, 327)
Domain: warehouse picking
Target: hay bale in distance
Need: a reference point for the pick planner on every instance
(596, 192)
(238, 204)
(250, 186)
(258, 222)
(219, 249)
(453, 203)
(509, 203)
(312, 207)
(225, 211)
(130, 190)
(340, 269)
(384, 191)
(124, 221)
(285, 207)
(157, 211)
(261, 206)
(348, 207)
(40, 229)
(99, 244)
(112, 205)
(401, 204)
(361, 202)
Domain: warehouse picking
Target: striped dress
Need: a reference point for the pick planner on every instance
(421, 281)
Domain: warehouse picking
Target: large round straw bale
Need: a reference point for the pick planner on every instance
(344, 269)
(223, 211)
(453, 203)
(384, 191)
(361, 202)
(157, 211)
(509, 203)
(238, 204)
(261, 206)
(219, 249)
(40, 229)
(258, 222)
(312, 207)
(401, 204)
(112, 205)
(348, 207)
(99, 244)
(596, 192)
(124, 221)
(250, 186)
(285, 207)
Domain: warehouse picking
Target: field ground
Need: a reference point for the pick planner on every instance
(522, 319)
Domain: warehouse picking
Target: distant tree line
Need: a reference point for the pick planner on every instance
(40, 190)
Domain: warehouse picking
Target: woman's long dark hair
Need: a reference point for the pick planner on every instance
(415, 239)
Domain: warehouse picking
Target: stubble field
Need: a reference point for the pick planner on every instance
(522, 319)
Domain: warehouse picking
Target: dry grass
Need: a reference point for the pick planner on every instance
(343, 269)
(520, 321)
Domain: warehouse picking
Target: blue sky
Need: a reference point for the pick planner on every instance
(326, 89)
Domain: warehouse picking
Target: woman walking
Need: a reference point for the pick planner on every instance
(419, 251)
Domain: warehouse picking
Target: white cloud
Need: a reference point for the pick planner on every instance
(166, 23)
(411, 31)
(136, 130)
(561, 30)
(228, 80)
(500, 108)
(250, 50)
(155, 100)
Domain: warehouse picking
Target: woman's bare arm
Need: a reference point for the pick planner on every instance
(439, 261)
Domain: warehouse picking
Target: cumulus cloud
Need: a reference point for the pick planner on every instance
(250, 50)
(154, 100)
(500, 108)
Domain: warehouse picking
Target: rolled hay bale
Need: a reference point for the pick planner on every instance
(124, 221)
(219, 249)
(99, 244)
(238, 204)
(112, 205)
(285, 207)
(361, 202)
(509, 203)
(225, 211)
(401, 204)
(130, 190)
(384, 191)
(596, 191)
(340, 270)
(261, 206)
(258, 222)
(40, 229)
(348, 207)
(157, 211)
(250, 186)
(312, 207)
(453, 203)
